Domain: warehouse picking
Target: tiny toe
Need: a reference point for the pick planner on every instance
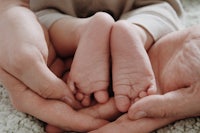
(122, 103)
(101, 96)
(142, 94)
(152, 90)
(86, 101)
(79, 96)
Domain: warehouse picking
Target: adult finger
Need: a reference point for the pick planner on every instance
(53, 112)
(181, 103)
(125, 125)
(107, 111)
(13, 84)
(61, 115)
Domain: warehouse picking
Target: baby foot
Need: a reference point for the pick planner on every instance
(132, 73)
(89, 72)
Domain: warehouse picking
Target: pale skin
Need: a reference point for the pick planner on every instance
(91, 43)
(95, 39)
(132, 74)
(26, 56)
(177, 56)
(61, 33)
(181, 47)
(20, 93)
(38, 81)
(16, 57)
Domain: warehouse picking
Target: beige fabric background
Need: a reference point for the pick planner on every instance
(12, 121)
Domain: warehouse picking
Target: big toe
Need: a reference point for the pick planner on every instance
(101, 96)
(122, 102)
(86, 101)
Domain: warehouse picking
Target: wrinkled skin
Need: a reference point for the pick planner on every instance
(26, 56)
(175, 59)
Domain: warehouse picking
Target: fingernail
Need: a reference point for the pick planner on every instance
(140, 114)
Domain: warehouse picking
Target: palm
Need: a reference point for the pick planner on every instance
(175, 60)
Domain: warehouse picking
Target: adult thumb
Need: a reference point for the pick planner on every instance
(181, 103)
(40, 79)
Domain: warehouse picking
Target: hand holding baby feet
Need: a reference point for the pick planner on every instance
(132, 74)
(175, 61)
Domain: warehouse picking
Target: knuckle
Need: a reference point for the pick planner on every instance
(163, 113)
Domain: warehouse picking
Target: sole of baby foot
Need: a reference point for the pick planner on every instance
(89, 73)
(131, 68)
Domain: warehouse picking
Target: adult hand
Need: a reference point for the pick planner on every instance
(24, 71)
(24, 55)
(107, 111)
(123, 123)
(176, 61)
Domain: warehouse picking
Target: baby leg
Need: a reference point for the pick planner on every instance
(90, 67)
(132, 73)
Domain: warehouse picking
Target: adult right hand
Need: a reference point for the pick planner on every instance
(175, 59)
(32, 86)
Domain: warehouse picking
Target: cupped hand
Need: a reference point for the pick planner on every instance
(176, 61)
(33, 88)
(24, 55)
